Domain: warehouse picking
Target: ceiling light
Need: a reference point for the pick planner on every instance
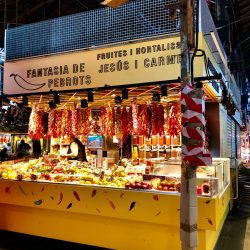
(90, 96)
(25, 100)
(84, 103)
(56, 98)
(156, 97)
(124, 93)
(164, 90)
(118, 100)
(52, 105)
(114, 3)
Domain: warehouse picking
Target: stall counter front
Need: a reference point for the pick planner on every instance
(106, 217)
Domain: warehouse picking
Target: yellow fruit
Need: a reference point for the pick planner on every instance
(4, 175)
(12, 175)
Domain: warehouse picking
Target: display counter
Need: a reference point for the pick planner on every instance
(112, 217)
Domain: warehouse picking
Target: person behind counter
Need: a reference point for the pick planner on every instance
(23, 148)
(76, 150)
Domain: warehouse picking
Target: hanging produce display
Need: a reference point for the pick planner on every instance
(160, 114)
(118, 123)
(107, 122)
(142, 119)
(174, 120)
(154, 119)
(51, 123)
(137, 119)
(96, 123)
(85, 127)
(149, 125)
(134, 118)
(38, 124)
(58, 125)
(32, 122)
(66, 122)
(125, 123)
(76, 121)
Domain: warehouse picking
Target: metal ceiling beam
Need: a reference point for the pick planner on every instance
(243, 3)
(30, 11)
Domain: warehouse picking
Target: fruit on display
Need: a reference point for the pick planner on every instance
(138, 185)
(86, 173)
(206, 188)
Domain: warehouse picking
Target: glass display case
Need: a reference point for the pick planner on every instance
(159, 175)
(211, 180)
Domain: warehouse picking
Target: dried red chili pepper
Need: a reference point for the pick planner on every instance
(125, 123)
(160, 119)
(76, 121)
(175, 120)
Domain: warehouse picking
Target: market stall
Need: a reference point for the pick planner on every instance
(134, 193)
(123, 104)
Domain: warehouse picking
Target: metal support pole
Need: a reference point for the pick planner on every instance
(188, 203)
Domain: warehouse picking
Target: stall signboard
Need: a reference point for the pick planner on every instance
(148, 61)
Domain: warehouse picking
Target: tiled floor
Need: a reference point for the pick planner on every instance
(234, 233)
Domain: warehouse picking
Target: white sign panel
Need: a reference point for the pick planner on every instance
(143, 62)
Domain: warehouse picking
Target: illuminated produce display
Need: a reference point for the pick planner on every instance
(122, 175)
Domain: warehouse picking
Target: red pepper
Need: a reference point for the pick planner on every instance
(160, 119)
(154, 110)
(175, 120)
(124, 119)
(142, 119)
(76, 121)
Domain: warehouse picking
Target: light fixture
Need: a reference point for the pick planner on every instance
(164, 90)
(84, 103)
(118, 100)
(222, 55)
(90, 96)
(156, 97)
(52, 105)
(114, 3)
(25, 100)
(56, 98)
(198, 85)
(124, 93)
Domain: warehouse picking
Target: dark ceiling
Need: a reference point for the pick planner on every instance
(236, 27)
(18, 12)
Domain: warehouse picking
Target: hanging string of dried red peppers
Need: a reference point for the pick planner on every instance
(141, 119)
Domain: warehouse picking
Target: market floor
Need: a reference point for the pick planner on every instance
(16, 241)
(235, 235)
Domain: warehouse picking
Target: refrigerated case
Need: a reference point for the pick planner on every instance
(211, 180)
